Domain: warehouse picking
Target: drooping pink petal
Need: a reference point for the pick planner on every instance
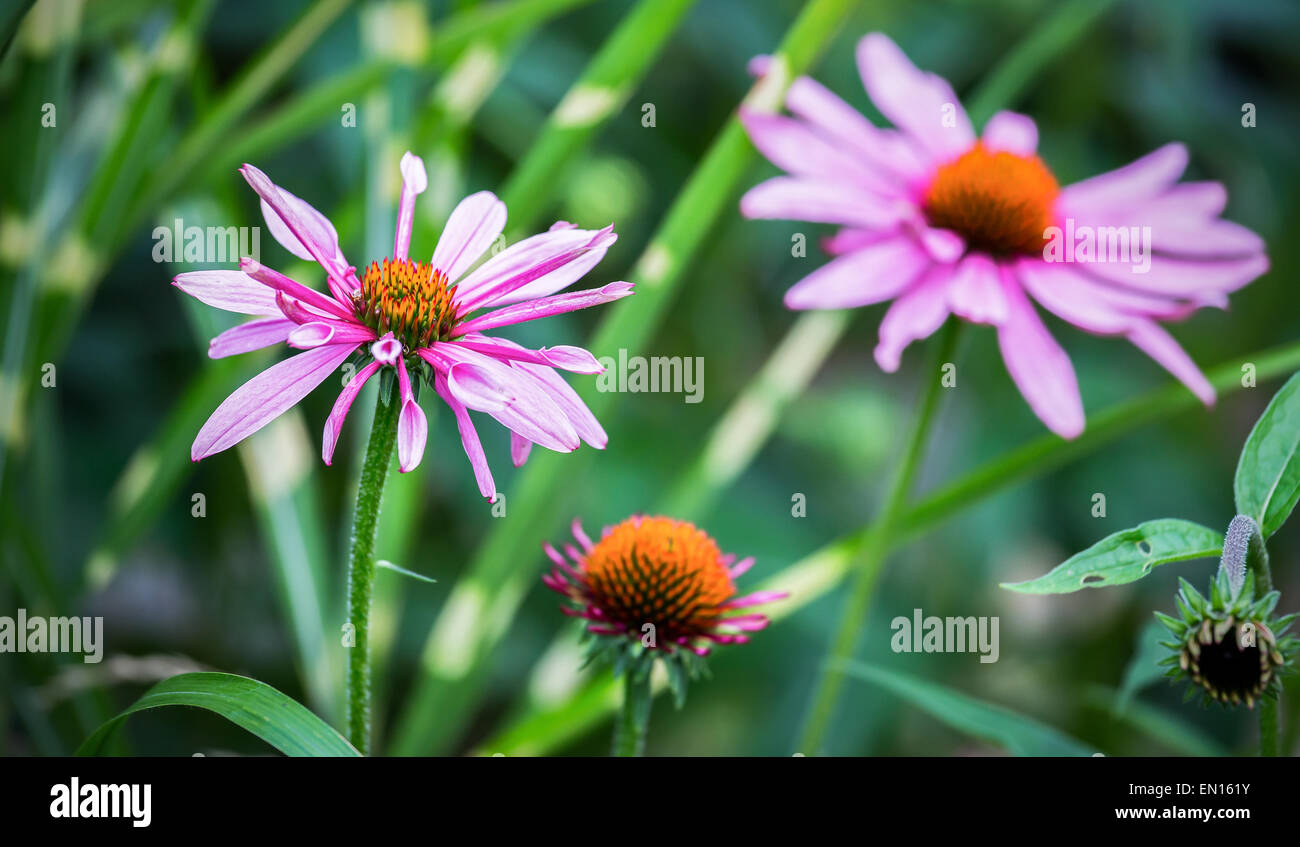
(1169, 276)
(758, 598)
(795, 148)
(975, 291)
(412, 425)
(316, 333)
(1153, 340)
(916, 314)
(387, 349)
(250, 336)
(520, 447)
(1011, 132)
(921, 104)
(1125, 187)
(474, 224)
(821, 200)
(279, 282)
(414, 181)
(468, 439)
(580, 535)
(740, 567)
(334, 423)
(1070, 295)
(1039, 367)
(1215, 239)
(544, 307)
(563, 395)
(870, 275)
(300, 229)
(568, 358)
(234, 291)
(265, 397)
(535, 267)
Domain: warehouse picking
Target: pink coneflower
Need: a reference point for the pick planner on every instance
(943, 222)
(657, 582)
(416, 317)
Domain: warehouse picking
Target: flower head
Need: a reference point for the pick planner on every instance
(1228, 645)
(422, 320)
(655, 586)
(942, 221)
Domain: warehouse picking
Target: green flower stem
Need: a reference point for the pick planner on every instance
(871, 558)
(361, 564)
(634, 716)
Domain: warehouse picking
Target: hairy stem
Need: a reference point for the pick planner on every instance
(634, 717)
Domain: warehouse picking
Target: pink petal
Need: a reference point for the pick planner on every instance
(281, 283)
(299, 228)
(234, 291)
(1173, 277)
(563, 395)
(334, 423)
(387, 349)
(1039, 367)
(741, 567)
(821, 200)
(414, 181)
(869, 275)
(469, 439)
(265, 397)
(253, 335)
(520, 447)
(758, 598)
(544, 307)
(1011, 132)
(474, 224)
(916, 314)
(916, 102)
(568, 358)
(975, 291)
(412, 425)
(316, 333)
(1160, 345)
(535, 267)
(1124, 187)
(795, 148)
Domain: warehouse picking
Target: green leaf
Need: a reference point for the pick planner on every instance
(1126, 556)
(278, 720)
(384, 563)
(1020, 735)
(1268, 473)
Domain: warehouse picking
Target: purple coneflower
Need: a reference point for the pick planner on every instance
(424, 319)
(943, 222)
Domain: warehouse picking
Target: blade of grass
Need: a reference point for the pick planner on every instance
(541, 730)
(481, 605)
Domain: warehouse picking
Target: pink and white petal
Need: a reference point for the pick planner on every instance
(412, 425)
(581, 418)
(1038, 366)
(265, 397)
(317, 333)
(885, 151)
(758, 598)
(1124, 188)
(545, 307)
(870, 275)
(535, 267)
(1071, 296)
(469, 440)
(277, 281)
(740, 567)
(975, 290)
(1186, 202)
(944, 245)
(1153, 340)
(849, 239)
(916, 314)
(921, 104)
(821, 200)
(296, 224)
(520, 447)
(1170, 276)
(1011, 132)
(793, 146)
(574, 359)
(233, 291)
(334, 423)
(472, 227)
(1212, 239)
(250, 336)
(414, 182)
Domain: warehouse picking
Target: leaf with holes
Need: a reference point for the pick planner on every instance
(1126, 556)
(1268, 473)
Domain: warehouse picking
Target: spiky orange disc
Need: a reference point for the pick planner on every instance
(999, 202)
(410, 299)
(659, 571)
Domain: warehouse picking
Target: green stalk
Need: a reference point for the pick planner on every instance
(871, 558)
(634, 715)
(361, 564)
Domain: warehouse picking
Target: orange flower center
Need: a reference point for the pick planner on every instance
(999, 202)
(658, 571)
(410, 299)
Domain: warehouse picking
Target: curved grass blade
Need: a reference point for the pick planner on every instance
(275, 718)
(1267, 483)
(1017, 733)
(1126, 556)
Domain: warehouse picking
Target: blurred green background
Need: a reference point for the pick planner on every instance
(98, 490)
